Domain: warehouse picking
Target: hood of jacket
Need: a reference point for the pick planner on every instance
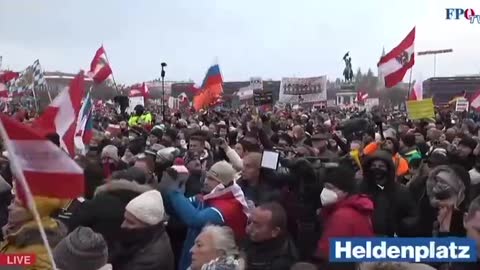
(360, 203)
(122, 184)
(383, 156)
(29, 234)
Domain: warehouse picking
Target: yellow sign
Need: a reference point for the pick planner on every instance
(420, 109)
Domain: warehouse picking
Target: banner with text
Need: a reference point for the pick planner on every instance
(295, 90)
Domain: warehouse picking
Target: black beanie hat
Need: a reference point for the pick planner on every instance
(342, 177)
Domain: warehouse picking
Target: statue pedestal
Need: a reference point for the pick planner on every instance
(347, 86)
(346, 95)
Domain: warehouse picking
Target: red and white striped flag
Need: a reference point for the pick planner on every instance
(361, 96)
(48, 170)
(139, 91)
(60, 117)
(475, 101)
(183, 99)
(100, 69)
(5, 78)
(398, 61)
(417, 92)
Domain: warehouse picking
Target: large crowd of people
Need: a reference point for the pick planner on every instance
(190, 192)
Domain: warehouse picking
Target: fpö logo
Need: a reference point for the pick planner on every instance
(449, 249)
(17, 259)
(463, 14)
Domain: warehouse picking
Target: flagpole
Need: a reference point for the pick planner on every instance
(410, 83)
(113, 77)
(49, 95)
(35, 96)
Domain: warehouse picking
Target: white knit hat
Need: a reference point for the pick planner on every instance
(147, 207)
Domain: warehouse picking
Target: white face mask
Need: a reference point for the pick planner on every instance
(328, 197)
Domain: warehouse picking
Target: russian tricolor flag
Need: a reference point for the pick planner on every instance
(211, 89)
(83, 132)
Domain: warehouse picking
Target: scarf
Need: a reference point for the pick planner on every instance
(235, 191)
(232, 262)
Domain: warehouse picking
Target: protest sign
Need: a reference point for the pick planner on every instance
(461, 105)
(420, 109)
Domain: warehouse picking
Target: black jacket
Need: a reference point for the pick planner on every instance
(105, 212)
(151, 253)
(275, 254)
(395, 210)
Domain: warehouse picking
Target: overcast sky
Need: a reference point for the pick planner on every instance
(267, 38)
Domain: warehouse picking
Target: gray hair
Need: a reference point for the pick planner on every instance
(223, 239)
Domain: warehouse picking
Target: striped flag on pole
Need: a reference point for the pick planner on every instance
(83, 131)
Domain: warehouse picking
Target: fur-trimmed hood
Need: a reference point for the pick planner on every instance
(122, 184)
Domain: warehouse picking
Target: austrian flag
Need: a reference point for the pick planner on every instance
(100, 68)
(398, 61)
(48, 170)
(361, 96)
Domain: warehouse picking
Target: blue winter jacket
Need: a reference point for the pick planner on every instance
(195, 214)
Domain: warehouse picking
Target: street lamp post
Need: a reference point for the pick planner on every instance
(162, 74)
(435, 57)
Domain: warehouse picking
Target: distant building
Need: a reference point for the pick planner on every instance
(443, 89)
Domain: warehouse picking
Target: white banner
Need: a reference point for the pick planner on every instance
(134, 101)
(295, 90)
(256, 83)
(245, 93)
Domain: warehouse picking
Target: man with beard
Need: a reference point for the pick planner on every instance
(145, 244)
(395, 212)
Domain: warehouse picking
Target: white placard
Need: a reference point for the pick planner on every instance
(270, 160)
(461, 105)
(245, 93)
(134, 101)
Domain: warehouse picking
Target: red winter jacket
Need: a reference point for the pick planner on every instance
(351, 217)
